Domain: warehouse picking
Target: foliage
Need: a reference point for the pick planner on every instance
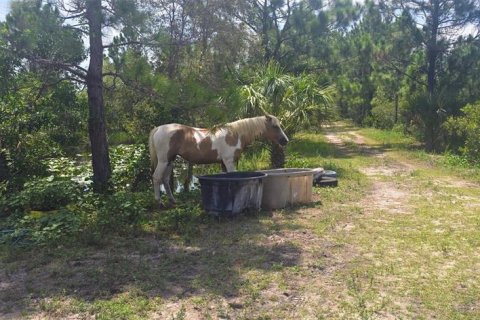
(183, 219)
(43, 228)
(41, 194)
(467, 127)
(298, 101)
(35, 29)
(121, 211)
(131, 167)
(36, 126)
(47, 193)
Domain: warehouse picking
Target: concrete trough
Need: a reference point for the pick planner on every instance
(286, 187)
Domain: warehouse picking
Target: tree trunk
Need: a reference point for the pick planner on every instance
(4, 171)
(396, 108)
(277, 157)
(432, 50)
(96, 119)
(265, 27)
(432, 56)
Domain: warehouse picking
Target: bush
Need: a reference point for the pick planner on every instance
(26, 161)
(122, 211)
(12, 204)
(185, 218)
(38, 227)
(383, 111)
(47, 193)
(131, 167)
(467, 127)
(88, 219)
(41, 194)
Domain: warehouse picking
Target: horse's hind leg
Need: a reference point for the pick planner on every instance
(157, 179)
(166, 181)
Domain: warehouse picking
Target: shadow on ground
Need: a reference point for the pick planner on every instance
(213, 262)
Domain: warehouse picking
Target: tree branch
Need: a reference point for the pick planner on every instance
(147, 44)
(76, 70)
(394, 67)
(133, 84)
(75, 16)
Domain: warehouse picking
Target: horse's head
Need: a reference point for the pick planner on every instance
(274, 132)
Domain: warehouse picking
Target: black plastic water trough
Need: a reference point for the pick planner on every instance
(231, 193)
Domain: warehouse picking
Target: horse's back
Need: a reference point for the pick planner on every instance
(192, 144)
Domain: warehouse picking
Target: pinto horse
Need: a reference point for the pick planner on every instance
(202, 146)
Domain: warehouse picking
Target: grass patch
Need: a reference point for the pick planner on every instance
(338, 258)
(417, 262)
(390, 138)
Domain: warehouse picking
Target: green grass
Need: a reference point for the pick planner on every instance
(390, 138)
(408, 148)
(342, 257)
(427, 256)
(418, 264)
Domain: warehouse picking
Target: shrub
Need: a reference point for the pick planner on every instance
(467, 127)
(184, 219)
(122, 210)
(41, 194)
(12, 204)
(26, 161)
(39, 227)
(131, 167)
(48, 193)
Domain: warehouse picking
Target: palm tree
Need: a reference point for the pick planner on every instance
(298, 101)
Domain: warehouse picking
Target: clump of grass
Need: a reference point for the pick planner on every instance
(390, 138)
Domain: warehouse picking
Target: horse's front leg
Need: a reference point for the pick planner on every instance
(229, 164)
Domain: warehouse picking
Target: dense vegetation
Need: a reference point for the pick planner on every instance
(83, 82)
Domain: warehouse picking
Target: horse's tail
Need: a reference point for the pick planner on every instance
(151, 148)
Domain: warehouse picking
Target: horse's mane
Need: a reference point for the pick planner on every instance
(249, 128)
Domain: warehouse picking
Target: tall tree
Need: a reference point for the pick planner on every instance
(270, 21)
(440, 22)
(96, 121)
(69, 21)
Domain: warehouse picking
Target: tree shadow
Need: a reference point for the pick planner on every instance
(212, 262)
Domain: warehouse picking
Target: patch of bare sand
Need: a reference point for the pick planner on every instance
(383, 195)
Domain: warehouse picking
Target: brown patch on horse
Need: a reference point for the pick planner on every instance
(243, 144)
(183, 143)
(231, 139)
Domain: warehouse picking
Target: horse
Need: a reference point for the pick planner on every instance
(202, 146)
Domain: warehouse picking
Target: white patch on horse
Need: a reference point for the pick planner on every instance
(223, 148)
(162, 145)
(199, 136)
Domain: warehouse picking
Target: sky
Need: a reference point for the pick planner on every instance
(4, 8)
